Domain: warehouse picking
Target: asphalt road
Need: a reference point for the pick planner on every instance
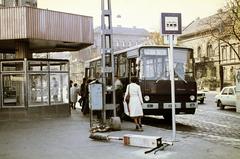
(61, 138)
(209, 122)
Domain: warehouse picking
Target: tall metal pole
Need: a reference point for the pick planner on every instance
(171, 26)
(107, 57)
(172, 87)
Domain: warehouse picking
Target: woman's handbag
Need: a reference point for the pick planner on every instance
(126, 103)
(127, 99)
(126, 108)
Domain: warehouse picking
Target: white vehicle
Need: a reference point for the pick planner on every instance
(226, 97)
(201, 96)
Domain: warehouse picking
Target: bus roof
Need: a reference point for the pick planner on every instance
(137, 47)
(87, 63)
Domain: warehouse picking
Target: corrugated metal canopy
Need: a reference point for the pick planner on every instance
(39, 46)
(44, 30)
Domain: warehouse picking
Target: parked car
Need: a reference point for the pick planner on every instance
(201, 96)
(227, 96)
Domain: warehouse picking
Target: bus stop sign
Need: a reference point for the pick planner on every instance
(171, 23)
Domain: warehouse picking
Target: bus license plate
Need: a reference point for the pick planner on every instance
(150, 105)
(169, 105)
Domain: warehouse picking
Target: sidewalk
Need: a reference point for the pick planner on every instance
(68, 138)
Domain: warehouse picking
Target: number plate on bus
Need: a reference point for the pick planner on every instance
(150, 105)
(169, 105)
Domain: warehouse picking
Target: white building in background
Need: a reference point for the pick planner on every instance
(15, 3)
(123, 37)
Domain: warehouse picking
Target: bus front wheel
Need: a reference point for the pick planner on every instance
(167, 117)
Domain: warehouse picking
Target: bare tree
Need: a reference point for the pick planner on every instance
(156, 38)
(225, 25)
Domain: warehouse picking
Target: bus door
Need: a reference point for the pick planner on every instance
(133, 67)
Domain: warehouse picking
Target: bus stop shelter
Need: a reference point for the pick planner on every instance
(33, 87)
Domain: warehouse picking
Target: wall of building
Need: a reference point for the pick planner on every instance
(206, 66)
(209, 54)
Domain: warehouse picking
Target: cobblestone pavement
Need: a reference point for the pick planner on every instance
(219, 127)
(210, 123)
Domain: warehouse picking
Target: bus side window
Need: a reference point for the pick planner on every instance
(138, 66)
(133, 66)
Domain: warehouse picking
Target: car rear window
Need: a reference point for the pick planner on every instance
(231, 92)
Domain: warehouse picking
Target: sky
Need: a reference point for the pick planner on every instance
(137, 13)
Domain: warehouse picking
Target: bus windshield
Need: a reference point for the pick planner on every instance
(154, 64)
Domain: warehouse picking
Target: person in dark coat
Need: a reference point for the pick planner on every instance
(83, 93)
(86, 100)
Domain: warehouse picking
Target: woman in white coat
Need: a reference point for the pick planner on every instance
(135, 102)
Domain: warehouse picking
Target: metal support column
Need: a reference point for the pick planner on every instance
(109, 100)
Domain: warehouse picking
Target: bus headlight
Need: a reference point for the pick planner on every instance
(192, 97)
(146, 98)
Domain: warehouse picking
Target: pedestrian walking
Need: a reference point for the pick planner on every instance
(86, 101)
(70, 86)
(55, 87)
(83, 93)
(135, 102)
(118, 90)
(74, 95)
(117, 83)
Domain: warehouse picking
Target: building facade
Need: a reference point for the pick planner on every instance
(215, 60)
(16, 3)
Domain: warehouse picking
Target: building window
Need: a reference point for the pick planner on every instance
(231, 54)
(199, 51)
(204, 72)
(123, 43)
(238, 50)
(117, 45)
(224, 53)
(232, 73)
(209, 50)
(129, 43)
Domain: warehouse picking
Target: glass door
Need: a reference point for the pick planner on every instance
(13, 90)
